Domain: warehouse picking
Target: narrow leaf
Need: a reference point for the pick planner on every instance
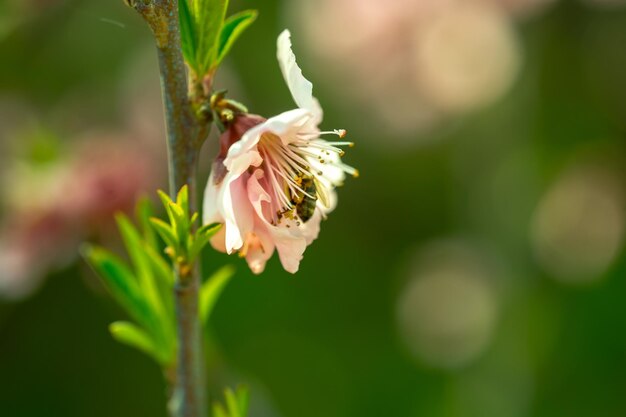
(210, 16)
(121, 283)
(182, 200)
(211, 290)
(243, 399)
(132, 335)
(165, 199)
(232, 29)
(202, 237)
(161, 270)
(188, 33)
(165, 231)
(164, 280)
(143, 212)
(135, 248)
(232, 403)
(180, 225)
(218, 411)
(167, 203)
(209, 229)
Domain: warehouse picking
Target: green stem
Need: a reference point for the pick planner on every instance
(185, 134)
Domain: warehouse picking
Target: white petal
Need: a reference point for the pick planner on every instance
(311, 229)
(301, 89)
(243, 154)
(331, 169)
(210, 211)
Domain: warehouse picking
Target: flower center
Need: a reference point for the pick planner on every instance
(301, 172)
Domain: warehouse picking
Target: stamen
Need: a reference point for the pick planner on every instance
(291, 183)
(299, 165)
(350, 144)
(279, 197)
(286, 166)
(341, 133)
(310, 135)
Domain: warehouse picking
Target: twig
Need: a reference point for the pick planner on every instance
(185, 134)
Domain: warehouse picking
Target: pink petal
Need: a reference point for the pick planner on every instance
(237, 211)
(289, 242)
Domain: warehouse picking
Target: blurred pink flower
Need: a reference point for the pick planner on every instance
(107, 176)
(465, 58)
(29, 245)
(412, 64)
(65, 204)
(279, 178)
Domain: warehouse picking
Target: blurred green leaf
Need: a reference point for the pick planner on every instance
(232, 403)
(161, 269)
(232, 29)
(122, 284)
(219, 411)
(243, 400)
(131, 335)
(144, 211)
(163, 277)
(236, 403)
(211, 290)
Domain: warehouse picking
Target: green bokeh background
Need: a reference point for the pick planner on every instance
(325, 343)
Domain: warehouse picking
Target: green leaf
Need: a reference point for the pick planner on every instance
(182, 200)
(167, 203)
(232, 29)
(165, 198)
(136, 250)
(211, 290)
(232, 403)
(164, 279)
(219, 411)
(163, 276)
(121, 283)
(180, 223)
(209, 229)
(210, 16)
(166, 232)
(143, 212)
(236, 403)
(188, 33)
(162, 271)
(132, 335)
(202, 237)
(243, 399)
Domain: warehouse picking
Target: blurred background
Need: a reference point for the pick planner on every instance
(476, 269)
